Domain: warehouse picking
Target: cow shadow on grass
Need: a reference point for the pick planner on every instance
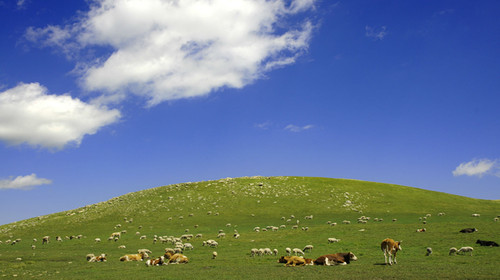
(380, 264)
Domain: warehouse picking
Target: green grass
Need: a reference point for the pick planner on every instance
(249, 202)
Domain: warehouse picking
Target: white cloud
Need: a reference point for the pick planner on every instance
(23, 182)
(478, 167)
(295, 128)
(21, 4)
(265, 125)
(29, 115)
(375, 33)
(167, 50)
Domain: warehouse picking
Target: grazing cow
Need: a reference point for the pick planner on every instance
(468, 230)
(134, 257)
(336, 259)
(390, 248)
(295, 260)
(463, 250)
(487, 243)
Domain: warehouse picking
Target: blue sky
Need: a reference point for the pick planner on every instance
(104, 97)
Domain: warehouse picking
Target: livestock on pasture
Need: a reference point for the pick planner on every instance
(176, 258)
(468, 230)
(100, 258)
(464, 250)
(487, 243)
(429, 251)
(156, 262)
(295, 260)
(297, 251)
(390, 249)
(134, 257)
(453, 251)
(336, 259)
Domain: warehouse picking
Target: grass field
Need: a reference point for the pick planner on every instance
(245, 203)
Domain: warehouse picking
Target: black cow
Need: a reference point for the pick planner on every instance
(487, 243)
(468, 230)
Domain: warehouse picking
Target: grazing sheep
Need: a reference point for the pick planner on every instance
(476, 215)
(421, 230)
(333, 240)
(429, 251)
(221, 235)
(288, 251)
(453, 251)
(463, 250)
(33, 247)
(253, 252)
(97, 240)
(121, 247)
(275, 252)
(214, 255)
(144, 251)
(308, 248)
(297, 251)
(236, 235)
(188, 246)
(45, 239)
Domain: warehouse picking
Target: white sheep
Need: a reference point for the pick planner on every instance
(429, 251)
(188, 246)
(288, 251)
(333, 240)
(463, 250)
(476, 215)
(122, 247)
(453, 251)
(275, 251)
(97, 240)
(142, 251)
(297, 251)
(45, 239)
(253, 252)
(214, 255)
(308, 248)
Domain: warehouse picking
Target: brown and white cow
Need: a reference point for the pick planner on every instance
(156, 262)
(175, 258)
(336, 259)
(390, 248)
(134, 257)
(295, 260)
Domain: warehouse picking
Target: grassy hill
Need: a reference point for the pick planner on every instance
(242, 204)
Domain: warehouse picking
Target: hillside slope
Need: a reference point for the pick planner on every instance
(240, 205)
